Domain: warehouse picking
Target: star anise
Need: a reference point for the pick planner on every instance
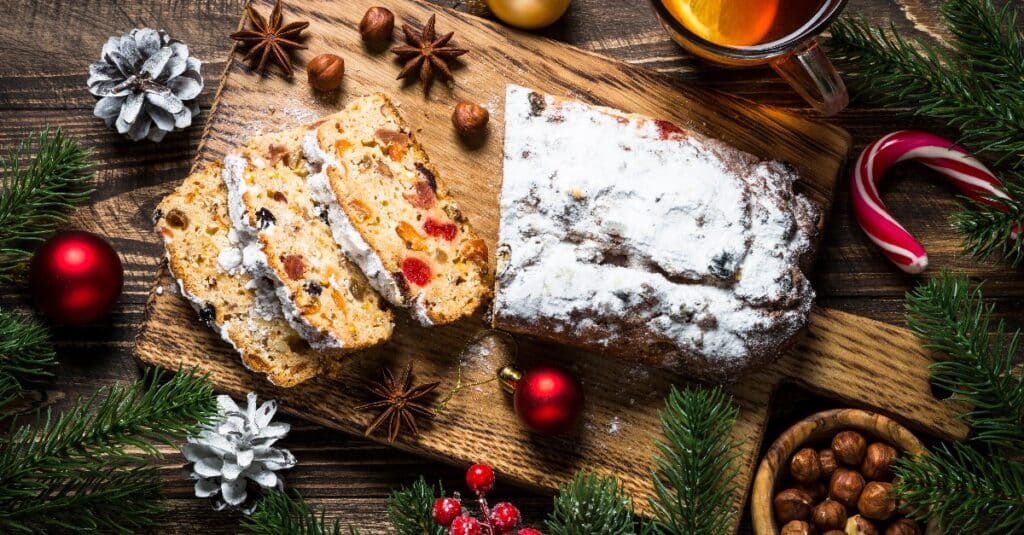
(400, 401)
(271, 41)
(425, 53)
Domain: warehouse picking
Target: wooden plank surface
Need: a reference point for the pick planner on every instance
(49, 45)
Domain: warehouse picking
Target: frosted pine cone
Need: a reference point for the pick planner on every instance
(235, 450)
(147, 84)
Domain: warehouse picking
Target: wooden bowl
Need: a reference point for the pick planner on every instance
(819, 428)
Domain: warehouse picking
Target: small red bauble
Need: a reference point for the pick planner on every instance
(446, 510)
(465, 525)
(547, 400)
(504, 517)
(480, 478)
(529, 531)
(76, 277)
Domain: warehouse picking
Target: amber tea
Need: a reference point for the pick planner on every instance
(743, 23)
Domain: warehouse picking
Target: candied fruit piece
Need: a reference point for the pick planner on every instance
(416, 271)
(422, 196)
(413, 240)
(293, 266)
(440, 229)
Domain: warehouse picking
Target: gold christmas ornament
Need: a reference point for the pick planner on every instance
(528, 14)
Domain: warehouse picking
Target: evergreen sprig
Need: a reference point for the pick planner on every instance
(76, 471)
(964, 489)
(695, 481)
(25, 354)
(281, 513)
(953, 319)
(410, 509)
(592, 504)
(989, 232)
(41, 181)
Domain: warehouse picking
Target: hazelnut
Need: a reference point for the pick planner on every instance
(829, 514)
(834, 532)
(378, 25)
(878, 461)
(796, 527)
(804, 466)
(469, 119)
(903, 526)
(849, 447)
(325, 72)
(846, 486)
(792, 504)
(858, 525)
(827, 460)
(876, 501)
(817, 490)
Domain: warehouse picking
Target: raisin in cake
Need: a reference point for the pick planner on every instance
(391, 213)
(325, 298)
(205, 257)
(632, 236)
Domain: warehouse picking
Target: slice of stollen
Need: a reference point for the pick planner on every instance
(325, 298)
(392, 214)
(205, 258)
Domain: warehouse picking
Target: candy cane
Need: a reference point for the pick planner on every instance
(966, 173)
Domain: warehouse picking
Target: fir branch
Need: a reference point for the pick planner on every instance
(41, 181)
(695, 481)
(279, 513)
(963, 489)
(25, 354)
(989, 232)
(953, 319)
(76, 467)
(592, 504)
(987, 36)
(411, 509)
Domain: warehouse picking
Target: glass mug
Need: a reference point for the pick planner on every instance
(781, 33)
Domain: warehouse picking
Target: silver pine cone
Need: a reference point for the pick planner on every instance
(229, 453)
(147, 84)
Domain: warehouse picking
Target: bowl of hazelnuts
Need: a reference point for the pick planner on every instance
(832, 474)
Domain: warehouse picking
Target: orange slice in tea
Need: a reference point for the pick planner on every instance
(726, 22)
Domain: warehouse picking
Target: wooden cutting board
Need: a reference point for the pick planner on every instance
(849, 358)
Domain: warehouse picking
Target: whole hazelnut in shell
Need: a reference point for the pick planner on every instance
(876, 501)
(796, 527)
(817, 490)
(846, 486)
(470, 119)
(903, 526)
(829, 514)
(325, 72)
(792, 504)
(804, 466)
(878, 461)
(858, 525)
(828, 462)
(850, 447)
(377, 26)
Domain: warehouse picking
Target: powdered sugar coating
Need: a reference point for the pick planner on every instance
(625, 233)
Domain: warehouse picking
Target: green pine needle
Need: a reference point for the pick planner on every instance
(411, 509)
(964, 489)
(953, 319)
(279, 513)
(77, 471)
(696, 480)
(41, 180)
(592, 504)
(25, 354)
(987, 37)
(992, 233)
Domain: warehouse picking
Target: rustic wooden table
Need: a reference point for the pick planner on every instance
(47, 46)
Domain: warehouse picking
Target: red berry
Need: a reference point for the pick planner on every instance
(416, 271)
(446, 510)
(504, 516)
(480, 478)
(529, 531)
(440, 229)
(465, 525)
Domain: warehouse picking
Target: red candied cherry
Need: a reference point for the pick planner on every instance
(480, 478)
(440, 229)
(504, 517)
(465, 525)
(446, 510)
(529, 531)
(416, 271)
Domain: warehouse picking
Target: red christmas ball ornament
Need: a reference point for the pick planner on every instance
(76, 277)
(465, 525)
(548, 400)
(480, 478)
(529, 531)
(446, 510)
(504, 517)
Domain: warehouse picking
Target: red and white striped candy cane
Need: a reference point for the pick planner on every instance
(965, 172)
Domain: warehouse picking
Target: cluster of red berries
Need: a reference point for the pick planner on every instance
(502, 519)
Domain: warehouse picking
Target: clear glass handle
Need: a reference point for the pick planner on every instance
(812, 75)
